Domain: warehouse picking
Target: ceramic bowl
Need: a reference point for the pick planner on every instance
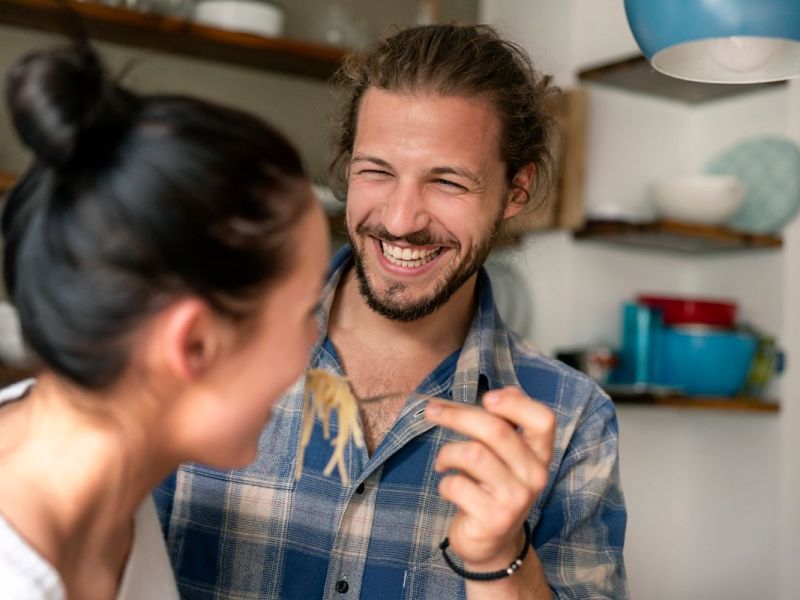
(704, 361)
(247, 16)
(703, 199)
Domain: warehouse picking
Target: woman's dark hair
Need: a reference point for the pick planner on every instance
(131, 202)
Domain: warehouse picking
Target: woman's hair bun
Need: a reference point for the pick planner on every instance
(55, 97)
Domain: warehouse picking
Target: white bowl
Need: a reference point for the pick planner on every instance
(248, 16)
(706, 199)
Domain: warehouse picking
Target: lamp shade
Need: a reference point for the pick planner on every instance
(719, 41)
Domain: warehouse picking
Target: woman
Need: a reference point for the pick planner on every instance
(165, 256)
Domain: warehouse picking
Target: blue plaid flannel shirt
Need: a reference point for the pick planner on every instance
(257, 533)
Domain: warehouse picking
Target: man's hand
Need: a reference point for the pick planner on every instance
(499, 472)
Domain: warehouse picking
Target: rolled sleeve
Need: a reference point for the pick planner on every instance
(581, 527)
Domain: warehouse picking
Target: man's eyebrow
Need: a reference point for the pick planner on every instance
(461, 172)
(465, 173)
(367, 158)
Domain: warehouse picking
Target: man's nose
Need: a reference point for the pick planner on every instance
(404, 211)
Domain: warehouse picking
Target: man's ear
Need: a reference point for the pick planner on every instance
(186, 338)
(518, 195)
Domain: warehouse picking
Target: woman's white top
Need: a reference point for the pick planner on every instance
(25, 575)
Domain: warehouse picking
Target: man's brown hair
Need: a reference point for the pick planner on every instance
(451, 60)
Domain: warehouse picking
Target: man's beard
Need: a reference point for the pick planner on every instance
(389, 303)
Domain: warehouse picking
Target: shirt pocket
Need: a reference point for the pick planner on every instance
(276, 472)
(226, 532)
(277, 455)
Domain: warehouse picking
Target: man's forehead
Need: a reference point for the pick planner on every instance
(413, 95)
(453, 122)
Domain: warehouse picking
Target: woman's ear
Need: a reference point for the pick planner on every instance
(187, 339)
(518, 195)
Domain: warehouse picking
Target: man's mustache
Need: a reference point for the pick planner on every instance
(416, 238)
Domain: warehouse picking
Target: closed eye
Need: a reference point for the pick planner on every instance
(450, 184)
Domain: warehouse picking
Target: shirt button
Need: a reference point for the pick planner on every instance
(342, 586)
(360, 488)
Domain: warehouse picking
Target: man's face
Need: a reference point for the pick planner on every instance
(427, 193)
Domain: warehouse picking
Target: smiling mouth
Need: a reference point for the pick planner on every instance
(409, 257)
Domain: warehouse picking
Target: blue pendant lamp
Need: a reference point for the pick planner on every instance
(719, 41)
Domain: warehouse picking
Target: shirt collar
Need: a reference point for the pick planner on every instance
(485, 362)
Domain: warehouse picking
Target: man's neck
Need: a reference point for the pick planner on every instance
(380, 355)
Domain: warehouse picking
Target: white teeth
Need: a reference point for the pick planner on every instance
(407, 257)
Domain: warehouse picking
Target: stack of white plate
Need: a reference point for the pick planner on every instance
(249, 16)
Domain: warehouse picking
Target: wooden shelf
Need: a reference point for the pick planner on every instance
(9, 375)
(6, 181)
(675, 236)
(737, 404)
(176, 36)
(636, 75)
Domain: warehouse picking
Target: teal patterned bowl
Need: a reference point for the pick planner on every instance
(769, 167)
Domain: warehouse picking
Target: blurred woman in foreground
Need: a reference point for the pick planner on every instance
(165, 256)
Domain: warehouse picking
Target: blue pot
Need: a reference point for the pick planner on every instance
(704, 361)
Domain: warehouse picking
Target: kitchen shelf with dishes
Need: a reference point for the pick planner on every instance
(733, 404)
(675, 236)
(684, 353)
(173, 35)
(634, 74)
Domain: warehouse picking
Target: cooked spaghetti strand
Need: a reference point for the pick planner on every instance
(325, 394)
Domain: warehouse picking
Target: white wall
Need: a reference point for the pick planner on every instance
(632, 140)
(601, 32)
(720, 124)
(708, 495)
(703, 515)
(544, 30)
(560, 34)
(790, 417)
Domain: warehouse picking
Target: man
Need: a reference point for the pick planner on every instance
(444, 131)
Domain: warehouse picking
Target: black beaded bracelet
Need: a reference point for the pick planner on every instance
(512, 568)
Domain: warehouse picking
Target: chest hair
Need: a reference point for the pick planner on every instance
(377, 373)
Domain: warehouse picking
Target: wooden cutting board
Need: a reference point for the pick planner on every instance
(564, 209)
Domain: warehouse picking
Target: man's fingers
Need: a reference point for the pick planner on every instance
(536, 421)
(483, 466)
(526, 453)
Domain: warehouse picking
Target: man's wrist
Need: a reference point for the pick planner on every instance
(505, 571)
(503, 559)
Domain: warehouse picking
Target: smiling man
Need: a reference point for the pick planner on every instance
(510, 491)
(426, 196)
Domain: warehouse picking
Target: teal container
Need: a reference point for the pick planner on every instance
(639, 356)
(704, 361)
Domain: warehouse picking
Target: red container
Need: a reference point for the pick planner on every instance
(685, 311)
